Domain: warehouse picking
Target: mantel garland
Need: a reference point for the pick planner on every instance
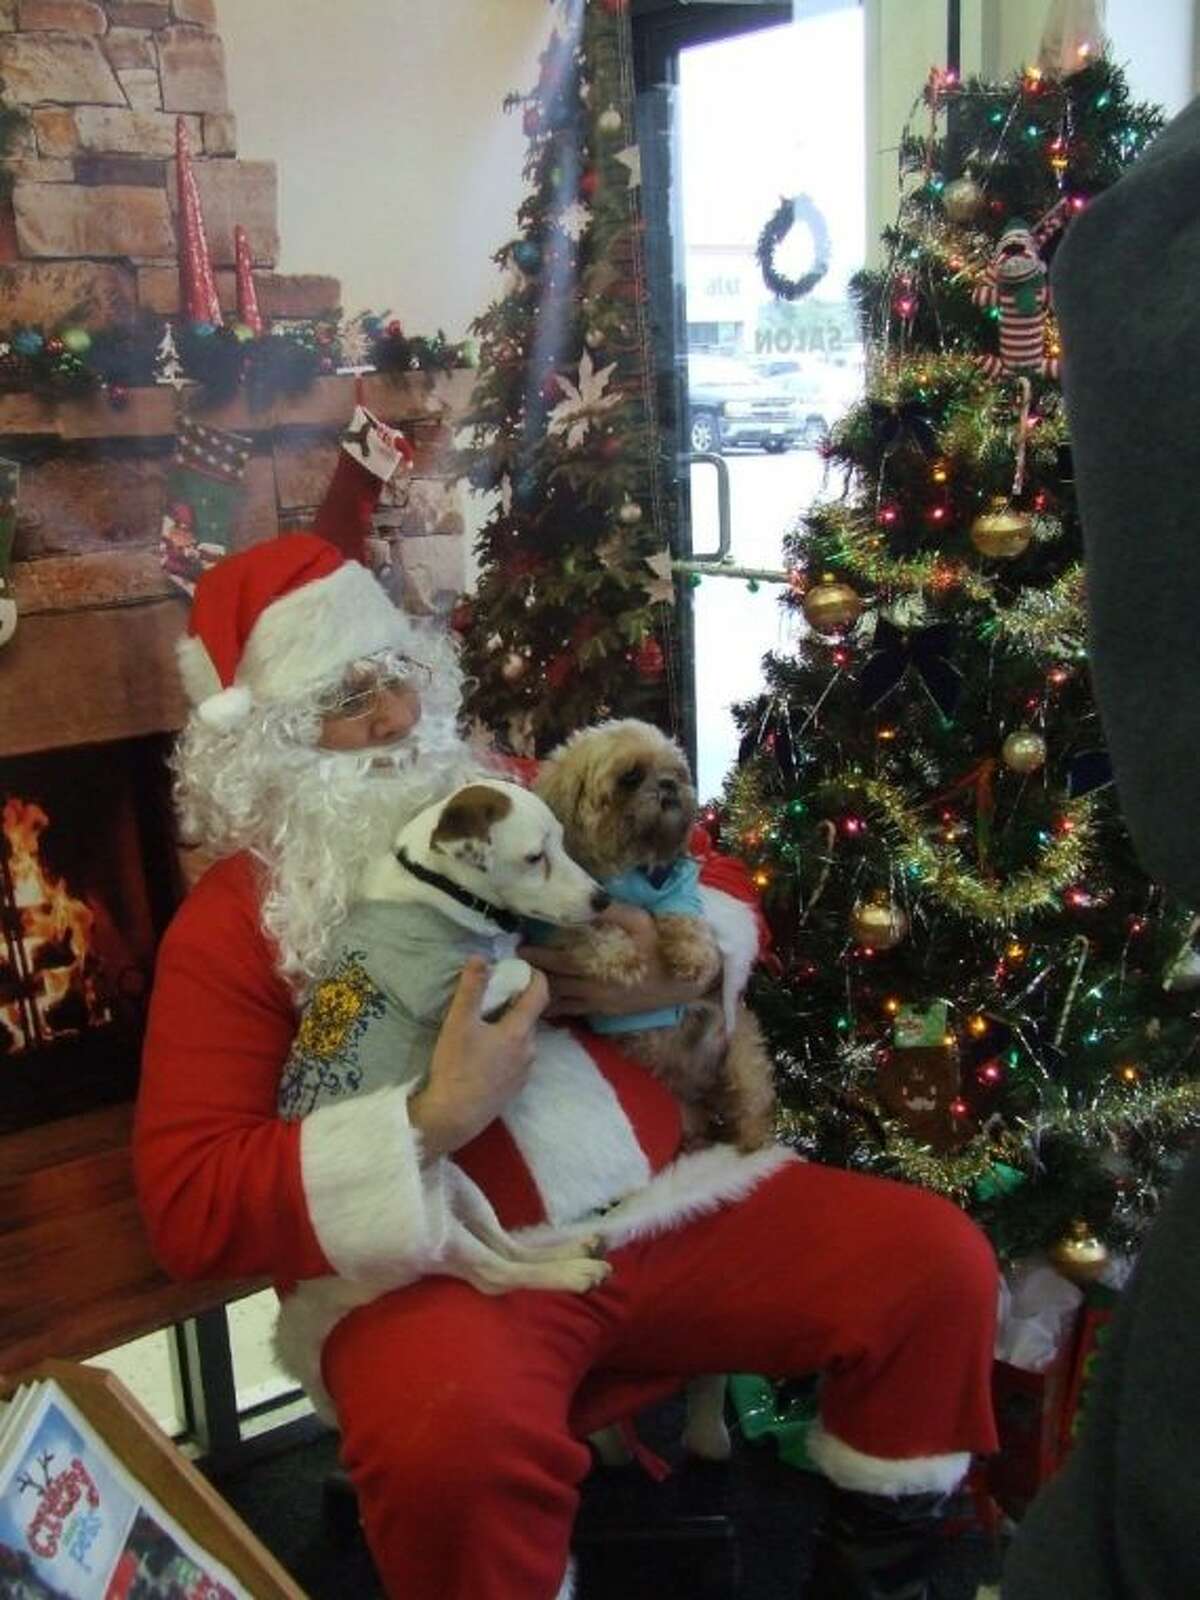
(67, 360)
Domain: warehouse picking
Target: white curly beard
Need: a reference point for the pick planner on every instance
(313, 817)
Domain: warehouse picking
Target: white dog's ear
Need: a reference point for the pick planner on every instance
(464, 829)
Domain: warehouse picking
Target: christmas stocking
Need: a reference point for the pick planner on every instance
(202, 491)
(9, 474)
(370, 455)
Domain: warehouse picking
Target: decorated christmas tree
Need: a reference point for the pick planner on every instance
(574, 585)
(976, 988)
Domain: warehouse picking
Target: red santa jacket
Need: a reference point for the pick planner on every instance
(229, 1190)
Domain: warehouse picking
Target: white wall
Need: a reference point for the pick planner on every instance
(399, 173)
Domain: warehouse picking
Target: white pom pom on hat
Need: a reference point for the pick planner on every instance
(280, 620)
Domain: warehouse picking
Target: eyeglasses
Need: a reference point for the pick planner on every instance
(366, 680)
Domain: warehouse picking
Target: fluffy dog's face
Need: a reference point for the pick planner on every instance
(623, 794)
(502, 843)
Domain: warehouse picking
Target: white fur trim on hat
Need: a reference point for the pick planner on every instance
(200, 677)
(849, 1468)
(307, 638)
(219, 708)
(226, 709)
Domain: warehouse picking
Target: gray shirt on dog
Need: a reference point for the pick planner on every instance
(373, 1019)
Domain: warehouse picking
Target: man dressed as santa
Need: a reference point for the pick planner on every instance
(322, 718)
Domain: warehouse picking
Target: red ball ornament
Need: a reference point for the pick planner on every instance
(559, 670)
(610, 447)
(904, 299)
(395, 329)
(462, 615)
(55, 347)
(589, 182)
(649, 659)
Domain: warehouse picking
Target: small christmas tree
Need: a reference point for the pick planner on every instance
(564, 625)
(977, 989)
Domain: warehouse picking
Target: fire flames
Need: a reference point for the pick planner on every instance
(48, 970)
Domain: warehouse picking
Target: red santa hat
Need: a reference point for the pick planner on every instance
(280, 620)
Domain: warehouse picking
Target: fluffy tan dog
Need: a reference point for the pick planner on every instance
(625, 798)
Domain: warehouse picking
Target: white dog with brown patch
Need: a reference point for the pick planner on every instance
(457, 882)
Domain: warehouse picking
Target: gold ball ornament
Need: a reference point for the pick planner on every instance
(514, 667)
(878, 924)
(830, 606)
(963, 200)
(1079, 1255)
(1024, 751)
(1001, 532)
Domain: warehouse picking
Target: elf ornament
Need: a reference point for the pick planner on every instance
(1017, 284)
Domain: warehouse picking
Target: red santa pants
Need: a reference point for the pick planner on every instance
(463, 1414)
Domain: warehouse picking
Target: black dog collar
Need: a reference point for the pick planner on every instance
(503, 919)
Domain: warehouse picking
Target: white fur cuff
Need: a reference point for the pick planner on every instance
(377, 1214)
(849, 1468)
(735, 928)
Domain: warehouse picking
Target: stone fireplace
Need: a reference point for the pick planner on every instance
(89, 699)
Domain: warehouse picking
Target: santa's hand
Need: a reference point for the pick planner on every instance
(477, 1066)
(574, 994)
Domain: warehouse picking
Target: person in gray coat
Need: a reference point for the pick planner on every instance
(1120, 1520)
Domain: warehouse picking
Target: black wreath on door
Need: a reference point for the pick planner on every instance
(799, 209)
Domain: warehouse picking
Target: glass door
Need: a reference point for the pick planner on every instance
(746, 108)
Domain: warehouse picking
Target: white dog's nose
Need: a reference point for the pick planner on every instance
(601, 899)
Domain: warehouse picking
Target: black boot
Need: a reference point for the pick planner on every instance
(876, 1547)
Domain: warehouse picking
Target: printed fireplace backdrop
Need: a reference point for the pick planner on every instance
(87, 877)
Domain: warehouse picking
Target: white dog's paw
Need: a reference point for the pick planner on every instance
(582, 1274)
(509, 978)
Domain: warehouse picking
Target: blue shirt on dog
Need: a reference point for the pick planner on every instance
(665, 891)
